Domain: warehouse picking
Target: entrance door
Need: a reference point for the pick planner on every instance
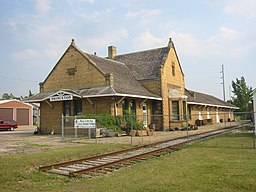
(145, 115)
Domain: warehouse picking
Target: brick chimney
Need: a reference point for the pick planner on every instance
(109, 78)
(41, 87)
(194, 95)
(111, 52)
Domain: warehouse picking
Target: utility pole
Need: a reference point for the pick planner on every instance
(223, 82)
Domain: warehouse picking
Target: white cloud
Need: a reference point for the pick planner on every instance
(27, 54)
(245, 8)
(143, 18)
(228, 33)
(226, 41)
(144, 13)
(72, 2)
(43, 6)
(106, 38)
(146, 41)
(188, 44)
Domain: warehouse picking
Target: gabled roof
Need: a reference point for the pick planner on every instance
(124, 81)
(14, 102)
(144, 64)
(198, 98)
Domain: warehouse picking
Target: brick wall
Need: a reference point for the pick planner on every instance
(73, 71)
(170, 81)
(51, 116)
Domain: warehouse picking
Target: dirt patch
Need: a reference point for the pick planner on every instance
(23, 140)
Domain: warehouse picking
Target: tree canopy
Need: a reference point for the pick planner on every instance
(7, 96)
(242, 94)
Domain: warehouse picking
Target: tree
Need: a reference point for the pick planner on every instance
(242, 94)
(7, 96)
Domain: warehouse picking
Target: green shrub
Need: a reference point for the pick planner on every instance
(132, 122)
(104, 120)
(108, 121)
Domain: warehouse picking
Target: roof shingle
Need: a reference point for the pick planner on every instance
(205, 99)
(144, 64)
(124, 81)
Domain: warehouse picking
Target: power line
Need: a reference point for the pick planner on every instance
(16, 79)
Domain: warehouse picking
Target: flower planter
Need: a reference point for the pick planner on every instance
(133, 133)
(141, 132)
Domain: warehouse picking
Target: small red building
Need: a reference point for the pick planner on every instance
(16, 110)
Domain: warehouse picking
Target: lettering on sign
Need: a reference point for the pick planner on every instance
(61, 96)
(85, 123)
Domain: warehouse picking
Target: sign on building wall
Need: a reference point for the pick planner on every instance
(61, 96)
(85, 123)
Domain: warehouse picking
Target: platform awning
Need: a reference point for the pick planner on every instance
(90, 92)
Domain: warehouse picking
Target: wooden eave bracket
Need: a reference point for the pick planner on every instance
(34, 105)
(49, 103)
(90, 101)
(143, 102)
(120, 100)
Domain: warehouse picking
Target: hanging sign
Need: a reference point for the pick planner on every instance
(85, 123)
(61, 96)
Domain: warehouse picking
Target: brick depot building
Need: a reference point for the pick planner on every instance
(16, 110)
(149, 83)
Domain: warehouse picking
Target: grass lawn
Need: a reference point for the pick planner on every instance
(226, 163)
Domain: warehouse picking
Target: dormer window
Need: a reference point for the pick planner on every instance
(173, 69)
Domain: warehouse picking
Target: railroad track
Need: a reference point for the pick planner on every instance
(110, 162)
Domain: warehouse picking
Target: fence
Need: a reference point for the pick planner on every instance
(95, 127)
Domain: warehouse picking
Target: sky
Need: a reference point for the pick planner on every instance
(207, 34)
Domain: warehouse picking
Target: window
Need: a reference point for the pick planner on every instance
(175, 110)
(133, 106)
(173, 69)
(67, 108)
(71, 71)
(125, 107)
(155, 110)
(189, 112)
(129, 106)
(208, 115)
(200, 117)
(77, 107)
(184, 110)
(72, 107)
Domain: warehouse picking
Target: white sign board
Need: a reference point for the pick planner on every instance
(61, 96)
(85, 123)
